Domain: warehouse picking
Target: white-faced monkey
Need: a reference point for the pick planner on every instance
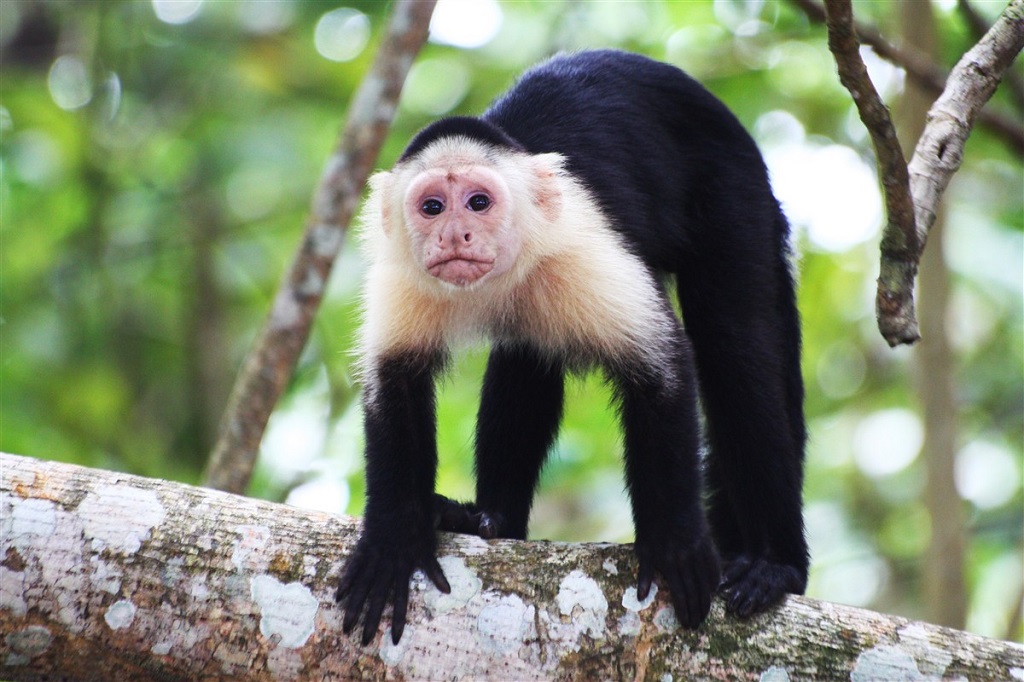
(551, 226)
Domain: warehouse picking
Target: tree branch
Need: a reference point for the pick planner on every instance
(106, 576)
(271, 362)
(979, 27)
(937, 156)
(900, 241)
(971, 83)
(923, 71)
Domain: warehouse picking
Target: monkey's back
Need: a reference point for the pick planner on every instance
(633, 128)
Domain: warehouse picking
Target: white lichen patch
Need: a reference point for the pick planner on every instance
(464, 583)
(504, 623)
(248, 554)
(630, 601)
(12, 592)
(287, 611)
(198, 589)
(26, 644)
(581, 598)
(120, 518)
(120, 614)
(610, 567)
(665, 620)
(32, 519)
(629, 625)
(105, 576)
(161, 648)
(885, 662)
(930, 659)
(1017, 673)
(774, 674)
(392, 653)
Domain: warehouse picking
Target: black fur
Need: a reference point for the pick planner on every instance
(453, 126)
(685, 185)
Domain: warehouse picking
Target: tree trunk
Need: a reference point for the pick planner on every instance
(943, 568)
(107, 576)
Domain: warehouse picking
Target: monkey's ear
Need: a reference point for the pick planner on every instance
(547, 193)
(382, 201)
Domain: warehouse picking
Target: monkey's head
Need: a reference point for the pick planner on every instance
(467, 212)
(458, 221)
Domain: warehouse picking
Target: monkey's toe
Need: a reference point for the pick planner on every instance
(751, 585)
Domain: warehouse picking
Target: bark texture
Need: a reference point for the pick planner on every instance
(106, 576)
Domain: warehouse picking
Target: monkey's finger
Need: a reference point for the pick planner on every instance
(377, 598)
(354, 603)
(433, 570)
(644, 578)
(683, 598)
(735, 571)
(401, 605)
(490, 525)
(750, 596)
(347, 579)
(702, 587)
(742, 600)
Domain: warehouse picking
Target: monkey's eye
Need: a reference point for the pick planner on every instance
(479, 202)
(432, 207)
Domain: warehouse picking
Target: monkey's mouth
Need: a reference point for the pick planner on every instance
(459, 269)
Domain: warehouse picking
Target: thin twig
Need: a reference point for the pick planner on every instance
(271, 362)
(900, 243)
(923, 71)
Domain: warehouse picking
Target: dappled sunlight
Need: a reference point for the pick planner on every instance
(465, 23)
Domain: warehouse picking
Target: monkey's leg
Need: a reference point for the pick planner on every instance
(659, 417)
(520, 411)
(748, 362)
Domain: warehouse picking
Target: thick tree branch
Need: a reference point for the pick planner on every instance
(271, 362)
(971, 83)
(923, 71)
(937, 156)
(106, 576)
(979, 27)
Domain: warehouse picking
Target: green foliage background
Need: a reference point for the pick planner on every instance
(156, 177)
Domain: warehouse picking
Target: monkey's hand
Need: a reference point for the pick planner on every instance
(466, 518)
(751, 584)
(691, 573)
(379, 569)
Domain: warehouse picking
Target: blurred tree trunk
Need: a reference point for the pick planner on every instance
(945, 593)
(271, 361)
(206, 342)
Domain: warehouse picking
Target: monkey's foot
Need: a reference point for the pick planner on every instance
(691, 574)
(752, 584)
(467, 518)
(379, 570)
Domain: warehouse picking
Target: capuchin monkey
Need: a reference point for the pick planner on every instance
(552, 226)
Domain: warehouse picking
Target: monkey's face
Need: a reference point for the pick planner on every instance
(458, 219)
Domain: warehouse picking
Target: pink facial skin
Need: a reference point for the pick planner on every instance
(458, 221)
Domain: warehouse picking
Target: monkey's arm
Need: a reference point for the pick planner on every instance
(401, 462)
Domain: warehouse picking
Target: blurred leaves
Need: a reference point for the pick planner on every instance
(144, 227)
